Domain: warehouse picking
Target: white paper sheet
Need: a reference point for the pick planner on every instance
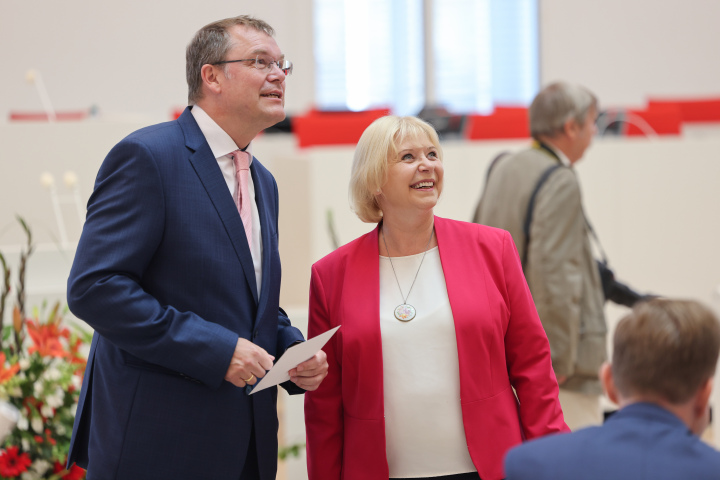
(292, 358)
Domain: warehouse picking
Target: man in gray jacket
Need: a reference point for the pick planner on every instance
(557, 254)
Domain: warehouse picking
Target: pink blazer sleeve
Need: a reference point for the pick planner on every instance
(527, 353)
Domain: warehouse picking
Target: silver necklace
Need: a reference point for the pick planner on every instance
(405, 312)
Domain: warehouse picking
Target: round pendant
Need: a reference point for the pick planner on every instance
(405, 312)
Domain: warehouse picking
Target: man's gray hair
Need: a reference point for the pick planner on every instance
(210, 45)
(556, 104)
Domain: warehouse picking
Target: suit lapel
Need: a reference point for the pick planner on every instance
(208, 171)
(266, 232)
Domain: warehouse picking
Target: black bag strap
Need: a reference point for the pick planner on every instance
(533, 197)
(613, 290)
(531, 208)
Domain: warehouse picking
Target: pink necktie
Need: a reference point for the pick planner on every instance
(242, 173)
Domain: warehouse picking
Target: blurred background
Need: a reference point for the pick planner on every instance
(79, 75)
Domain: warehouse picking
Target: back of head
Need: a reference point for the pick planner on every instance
(377, 144)
(210, 45)
(556, 104)
(665, 349)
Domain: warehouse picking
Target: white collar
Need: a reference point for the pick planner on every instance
(220, 142)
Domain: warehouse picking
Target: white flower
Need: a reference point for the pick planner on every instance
(41, 466)
(52, 374)
(47, 411)
(24, 364)
(30, 475)
(38, 389)
(37, 424)
(60, 429)
(22, 423)
(55, 399)
(25, 444)
(16, 392)
(73, 409)
(76, 382)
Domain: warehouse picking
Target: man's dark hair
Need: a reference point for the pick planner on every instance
(665, 348)
(210, 45)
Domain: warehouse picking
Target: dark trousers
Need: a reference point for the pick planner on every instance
(250, 470)
(457, 476)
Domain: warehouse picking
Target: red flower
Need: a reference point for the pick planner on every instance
(75, 472)
(47, 338)
(12, 464)
(7, 373)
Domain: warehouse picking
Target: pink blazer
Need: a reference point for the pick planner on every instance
(501, 345)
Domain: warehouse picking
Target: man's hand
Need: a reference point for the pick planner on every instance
(248, 364)
(310, 373)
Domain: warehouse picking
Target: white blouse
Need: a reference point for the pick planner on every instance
(421, 378)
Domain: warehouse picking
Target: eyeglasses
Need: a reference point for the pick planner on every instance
(264, 62)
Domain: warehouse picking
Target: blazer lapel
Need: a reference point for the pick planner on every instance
(361, 321)
(208, 171)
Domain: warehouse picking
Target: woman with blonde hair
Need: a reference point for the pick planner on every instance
(441, 364)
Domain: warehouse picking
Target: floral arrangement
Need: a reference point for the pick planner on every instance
(41, 370)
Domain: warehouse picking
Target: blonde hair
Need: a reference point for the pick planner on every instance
(377, 145)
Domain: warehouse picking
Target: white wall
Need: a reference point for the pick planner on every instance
(627, 50)
(127, 58)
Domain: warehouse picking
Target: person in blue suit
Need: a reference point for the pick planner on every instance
(664, 357)
(183, 293)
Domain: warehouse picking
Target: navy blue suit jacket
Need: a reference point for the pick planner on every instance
(164, 275)
(640, 442)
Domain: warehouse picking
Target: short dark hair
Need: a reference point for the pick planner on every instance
(210, 45)
(665, 348)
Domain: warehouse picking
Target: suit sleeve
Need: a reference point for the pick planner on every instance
(124, 228)
(323, 407)
(555, 266)
(287, 337)
(528, 354)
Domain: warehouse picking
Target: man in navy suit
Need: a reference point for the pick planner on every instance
(182, 292)
(664, 358)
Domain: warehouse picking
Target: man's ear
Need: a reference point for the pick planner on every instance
(608, 382)
(210, 79)
(701, 408)
(703, 397)
(570, 128)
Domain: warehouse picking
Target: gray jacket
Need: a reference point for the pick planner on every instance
(561, 271)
